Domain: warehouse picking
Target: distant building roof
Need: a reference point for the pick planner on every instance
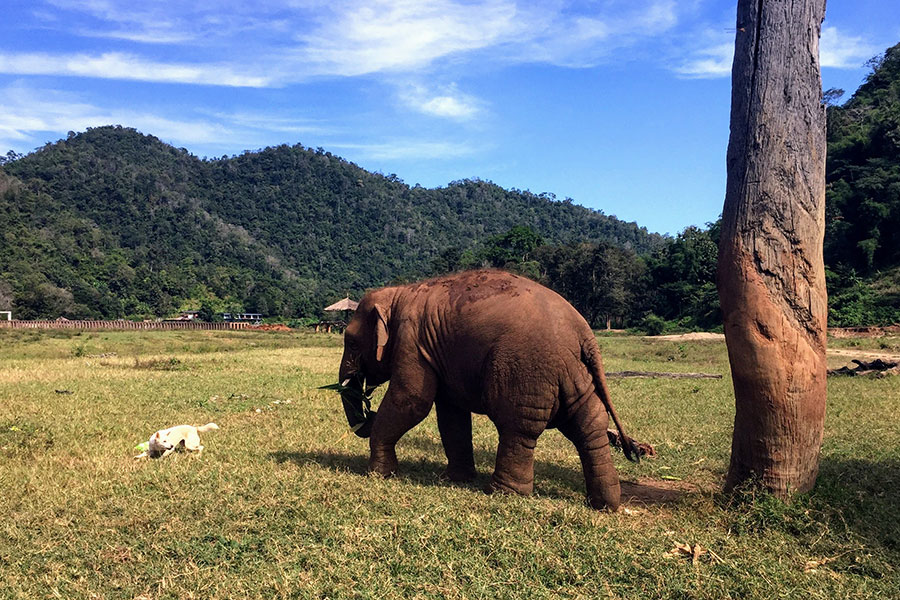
(345, 304)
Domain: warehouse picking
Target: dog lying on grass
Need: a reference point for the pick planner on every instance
(166, 441)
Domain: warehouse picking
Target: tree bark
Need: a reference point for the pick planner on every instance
(771, 277)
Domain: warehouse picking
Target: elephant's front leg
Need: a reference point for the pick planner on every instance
(455, 425)
(407, 401)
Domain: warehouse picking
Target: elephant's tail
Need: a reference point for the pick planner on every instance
(590, 356)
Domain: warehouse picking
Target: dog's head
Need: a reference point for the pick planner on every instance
(159, 443)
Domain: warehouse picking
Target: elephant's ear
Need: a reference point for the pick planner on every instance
(381, 331)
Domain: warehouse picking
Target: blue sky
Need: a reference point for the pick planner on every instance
(621, 105)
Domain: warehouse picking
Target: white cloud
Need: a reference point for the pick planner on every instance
(272, 123)
(581, 40)
(448, 106)
(408, 149)
(294, 40)
(29, 113)
(116, 65)
(401, 35)
(835, 50)
(408, 35)
(447, 102)
(843, 51)
(708, 63)
(167, 22)
(33, 116)
(283, 41)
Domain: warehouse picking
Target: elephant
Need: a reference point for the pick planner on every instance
(486, 342)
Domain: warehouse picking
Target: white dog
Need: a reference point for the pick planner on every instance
(166, 441)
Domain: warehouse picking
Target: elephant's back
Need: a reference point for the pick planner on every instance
(488, 333)
(486, 289)
(483, 309)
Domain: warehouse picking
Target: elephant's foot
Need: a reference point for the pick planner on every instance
(501, 486)
(605, 495)
(459, 475)
(514, 469)
(607, 501)
(383, 463)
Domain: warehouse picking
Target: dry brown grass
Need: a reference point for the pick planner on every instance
(279, 505)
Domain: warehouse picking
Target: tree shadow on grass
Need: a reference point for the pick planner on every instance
(863, 496)
(551, 480)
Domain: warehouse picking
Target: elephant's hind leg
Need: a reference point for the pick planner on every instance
(514, 471)
(455, 425)
(521, 399)
(586, 428)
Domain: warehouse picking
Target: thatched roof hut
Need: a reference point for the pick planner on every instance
(345, 304)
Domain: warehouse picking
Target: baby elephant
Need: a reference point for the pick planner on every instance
(485, 342)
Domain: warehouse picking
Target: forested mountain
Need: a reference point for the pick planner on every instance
(862, 236)
(113, 223)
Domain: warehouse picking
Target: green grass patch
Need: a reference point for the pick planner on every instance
(279, 505)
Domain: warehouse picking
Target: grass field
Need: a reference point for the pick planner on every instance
(279, 505)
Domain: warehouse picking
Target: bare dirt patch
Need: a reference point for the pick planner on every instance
(864, 332)
(655, 491)
(695, 335)
(870, 354)
(270, 327)
(851, 352)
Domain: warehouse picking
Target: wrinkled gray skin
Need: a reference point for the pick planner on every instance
(485, 342)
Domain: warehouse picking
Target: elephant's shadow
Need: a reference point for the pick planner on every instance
(551, 480)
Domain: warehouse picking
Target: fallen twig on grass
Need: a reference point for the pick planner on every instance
(693, 552)
(666, 375)
(877, 367)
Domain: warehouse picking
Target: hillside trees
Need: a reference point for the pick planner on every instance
(129, 226)
(132, 227)
(863, 172)
(682, 278)
(604, 282)
(862, 238)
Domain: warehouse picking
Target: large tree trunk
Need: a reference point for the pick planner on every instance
(771, 273)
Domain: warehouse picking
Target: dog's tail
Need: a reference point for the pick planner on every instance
(207, 427)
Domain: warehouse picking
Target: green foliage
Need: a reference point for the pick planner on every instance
(653, 324)
(207, 313)
(601, 280)
(854, 301)
(683, 276)
(112, 223)
(862, 235)
(513, 247)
